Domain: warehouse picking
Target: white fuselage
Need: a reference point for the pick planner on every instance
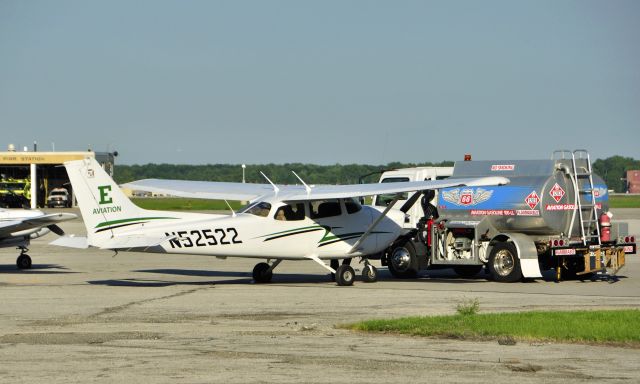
(249, 235)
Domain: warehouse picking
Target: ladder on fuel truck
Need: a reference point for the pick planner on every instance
(585, 197)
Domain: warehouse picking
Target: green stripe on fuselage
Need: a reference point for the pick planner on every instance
(106, 223)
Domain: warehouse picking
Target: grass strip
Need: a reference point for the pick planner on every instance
(600, 327)
(183, 204)
(624, 201)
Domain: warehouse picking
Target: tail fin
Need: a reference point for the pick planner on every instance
(103, 205)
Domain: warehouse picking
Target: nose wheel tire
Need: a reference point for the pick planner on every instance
(23, 261)
(369, 274)
(504, 263)
(345, 275)
(262, 274)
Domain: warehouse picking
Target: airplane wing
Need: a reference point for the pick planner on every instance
(17, 224)
(202, 189)
(250, 192)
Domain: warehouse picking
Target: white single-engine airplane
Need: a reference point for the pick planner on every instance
(19, 226)
(298, 222)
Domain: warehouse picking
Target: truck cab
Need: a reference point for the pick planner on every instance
(414, 214)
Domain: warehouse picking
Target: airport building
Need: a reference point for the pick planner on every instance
(29, 177)
(633, 181)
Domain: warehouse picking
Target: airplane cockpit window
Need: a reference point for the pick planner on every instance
(325, 208)
(290, 212)
(352, 205)
(258, 209)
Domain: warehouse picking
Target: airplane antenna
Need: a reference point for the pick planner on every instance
(233, 213)
(308, 188)
(275, 188)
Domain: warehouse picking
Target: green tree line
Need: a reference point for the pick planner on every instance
(278, 173)
(611, 169)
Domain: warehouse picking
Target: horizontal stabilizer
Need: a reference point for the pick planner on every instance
(133, 241)
(71, 242)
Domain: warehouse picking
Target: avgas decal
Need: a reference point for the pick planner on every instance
(466, 197)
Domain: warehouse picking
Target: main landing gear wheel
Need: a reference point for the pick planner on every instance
(23, 261)
(369, 274)
(262, 273)
(504, 263)
(345, 275)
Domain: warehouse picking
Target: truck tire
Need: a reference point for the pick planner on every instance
(504, 263)
(403, 262)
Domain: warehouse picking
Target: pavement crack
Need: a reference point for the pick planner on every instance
(123, 307)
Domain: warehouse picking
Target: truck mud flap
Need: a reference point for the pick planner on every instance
(527, 253)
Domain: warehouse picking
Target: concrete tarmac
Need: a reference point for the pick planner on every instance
(90, 316)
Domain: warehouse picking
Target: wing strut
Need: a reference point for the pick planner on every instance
(275, 188)
(306, 187)
(374, 224)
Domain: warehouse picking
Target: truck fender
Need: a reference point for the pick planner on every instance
(527, 252)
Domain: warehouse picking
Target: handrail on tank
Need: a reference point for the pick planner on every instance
(562, 153)
(580, 153)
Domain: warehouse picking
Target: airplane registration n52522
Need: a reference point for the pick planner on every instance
(294, 222)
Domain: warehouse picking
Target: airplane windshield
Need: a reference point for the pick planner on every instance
(258, 209)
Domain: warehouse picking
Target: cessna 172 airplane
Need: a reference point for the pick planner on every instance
(19, 226)
(295, 222)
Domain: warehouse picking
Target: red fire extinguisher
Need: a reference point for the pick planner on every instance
(605, 227)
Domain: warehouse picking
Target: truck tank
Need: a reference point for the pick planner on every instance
(539, 200)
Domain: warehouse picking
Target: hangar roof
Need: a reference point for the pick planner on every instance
(19, 158)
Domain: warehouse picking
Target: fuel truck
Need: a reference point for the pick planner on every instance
(553, 215)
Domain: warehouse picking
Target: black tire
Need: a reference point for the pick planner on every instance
(345, 275)
(23, 261)
(504, 263)
(369, 274)
(261, 273)
(467, 271)
(403, 262)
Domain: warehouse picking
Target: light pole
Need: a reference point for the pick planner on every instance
(243, 168)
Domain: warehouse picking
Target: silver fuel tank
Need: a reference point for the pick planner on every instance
(540, 200)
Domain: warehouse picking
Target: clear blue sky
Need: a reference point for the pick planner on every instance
(321, 82)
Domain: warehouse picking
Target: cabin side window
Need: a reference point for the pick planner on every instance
(352, 205)
(290, 212)
(324, 208)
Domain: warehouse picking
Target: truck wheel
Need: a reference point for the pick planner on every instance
(403, 263)
(504, 263)
(467, 270)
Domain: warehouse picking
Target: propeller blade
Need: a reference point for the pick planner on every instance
(55, 229)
